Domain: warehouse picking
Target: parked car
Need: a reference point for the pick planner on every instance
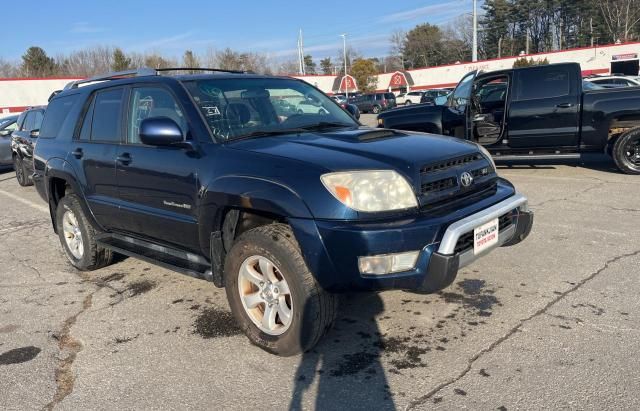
(533, 114)
(310, 107)
(7, 126)
(23, 140)
(435, 97)
(615, 81)
(197, 173)
(374, 102)
(412, 97)
(339, 98)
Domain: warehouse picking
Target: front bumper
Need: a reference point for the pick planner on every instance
(331, 249)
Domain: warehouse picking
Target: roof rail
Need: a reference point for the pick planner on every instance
(144, 71)
(200, 69)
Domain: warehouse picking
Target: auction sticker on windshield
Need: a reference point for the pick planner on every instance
(485, 236)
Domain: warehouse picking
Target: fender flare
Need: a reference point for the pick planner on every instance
(59, 168)
(255, 194)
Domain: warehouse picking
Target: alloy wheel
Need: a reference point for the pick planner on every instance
(265, 295)
(72, 234)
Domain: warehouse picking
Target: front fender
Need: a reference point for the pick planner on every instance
(249, 193)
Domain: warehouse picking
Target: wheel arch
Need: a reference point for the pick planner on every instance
(60, 181)
(235, 204)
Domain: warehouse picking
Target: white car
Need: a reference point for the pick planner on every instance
(615, 81)
(309, 107)
(412, 97)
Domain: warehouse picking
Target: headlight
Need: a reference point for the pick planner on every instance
(370, 191)
(487, 155)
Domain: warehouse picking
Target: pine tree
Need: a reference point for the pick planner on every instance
(36, 63)
(120, 61)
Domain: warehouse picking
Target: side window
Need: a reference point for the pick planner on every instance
(107, 110)
(12, 127)
(56, 114)
(20, 121)
(543, 83)
(37, 122)
(147, 102)
(85, 131)
(29, 122)
(462, 93)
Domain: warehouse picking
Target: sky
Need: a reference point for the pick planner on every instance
(170, 27)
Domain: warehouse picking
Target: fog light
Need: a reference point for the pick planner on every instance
(388, 263)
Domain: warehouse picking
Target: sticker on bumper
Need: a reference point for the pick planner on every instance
(485, 236)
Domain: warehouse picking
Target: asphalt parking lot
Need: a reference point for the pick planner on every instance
(552, 322)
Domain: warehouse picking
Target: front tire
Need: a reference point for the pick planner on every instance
(375, 109)
(626, 152)
(78, 237)
(273, 295)
(407, 103)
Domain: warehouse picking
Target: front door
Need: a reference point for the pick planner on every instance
(157, 186)
(545, 108)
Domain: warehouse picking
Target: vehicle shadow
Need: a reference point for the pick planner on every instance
(344, 370)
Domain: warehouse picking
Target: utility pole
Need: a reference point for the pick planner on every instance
(474, 46)
(301, 53)
(500, 47)
(526, 50)
(344, 53)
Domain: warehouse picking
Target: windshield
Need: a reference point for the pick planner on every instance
(245, 107)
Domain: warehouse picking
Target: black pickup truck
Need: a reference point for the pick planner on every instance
(534, 113)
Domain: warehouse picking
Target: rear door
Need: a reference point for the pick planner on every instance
(544, 109)
(157, 186)
(93, 153)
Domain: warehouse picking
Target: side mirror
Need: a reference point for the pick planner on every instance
(34, 133)
(4, 133)
(160, 131)
(353, 110)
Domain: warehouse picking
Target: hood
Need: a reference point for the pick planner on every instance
(362, 148)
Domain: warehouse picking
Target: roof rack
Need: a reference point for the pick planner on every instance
(201, 69)
(143, 71)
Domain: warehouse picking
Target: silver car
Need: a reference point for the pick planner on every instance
(7, 126)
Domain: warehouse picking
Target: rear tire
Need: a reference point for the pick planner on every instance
(78, 237)
(407, 103)
(375, 109)
(626, 152)
(261, 260)
(21, 172)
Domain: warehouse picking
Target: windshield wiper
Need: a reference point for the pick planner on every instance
(326, 124)
(266, 133)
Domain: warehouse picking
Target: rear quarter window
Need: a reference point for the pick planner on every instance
(543, 83)
(55, 116)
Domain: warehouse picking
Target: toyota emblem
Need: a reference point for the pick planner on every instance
(466, 179)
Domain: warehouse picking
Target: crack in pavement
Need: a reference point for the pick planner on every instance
(65, 379)
(517, 328)
(579, 193)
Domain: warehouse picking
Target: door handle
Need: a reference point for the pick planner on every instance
(564, 105)
(77, 153)
(124, 159)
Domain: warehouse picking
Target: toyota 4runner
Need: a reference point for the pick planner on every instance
(201, 174)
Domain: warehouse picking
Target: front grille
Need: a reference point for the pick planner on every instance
(438, 185)
(465, 241)
(452, 162)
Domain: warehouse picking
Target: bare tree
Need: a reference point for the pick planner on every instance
(8, 68)
(620, 17)
(397, 41)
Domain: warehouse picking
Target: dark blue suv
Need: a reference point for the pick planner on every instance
(204, 175)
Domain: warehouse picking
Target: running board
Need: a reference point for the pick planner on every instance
(173, 259)
(562, 156)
